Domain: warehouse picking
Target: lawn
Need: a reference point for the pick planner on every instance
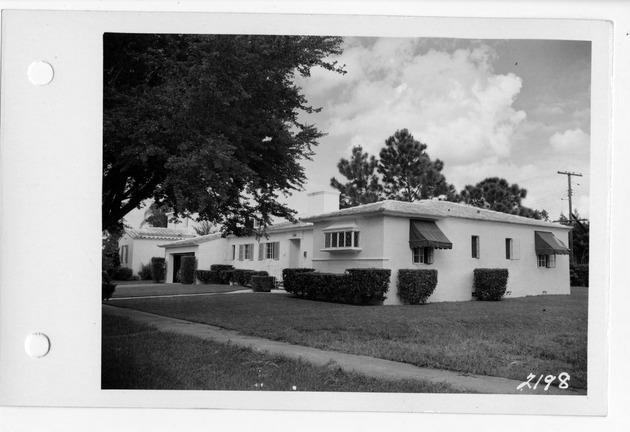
(154, 289)
(511, 338)
(137, 356)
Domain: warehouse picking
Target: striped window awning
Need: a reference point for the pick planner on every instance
(549, 244)
(427, 234)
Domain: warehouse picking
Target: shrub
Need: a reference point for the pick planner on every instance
(145, 272)
(322, 286)
(368, 285)
(107, 287)
(262, 283)
(359, 286)
(221, 269)
(490, 284)
(158, 269)
(579, 275)
(122, 274)
(208, 276)
(187, 270)
(243, 276)
(227, 276)
(288, 278)
(415, 286)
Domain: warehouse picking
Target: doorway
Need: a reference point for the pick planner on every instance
(177, 264)
(295, 247)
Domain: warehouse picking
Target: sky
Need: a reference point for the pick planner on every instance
(517, 109)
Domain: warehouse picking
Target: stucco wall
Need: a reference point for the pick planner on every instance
(371, 240)
(171, 252)
(303, 238)
(455, 266)
(142, 252)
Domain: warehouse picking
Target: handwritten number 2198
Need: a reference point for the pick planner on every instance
(563, 378)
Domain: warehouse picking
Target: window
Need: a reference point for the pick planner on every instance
(245, 252)
(269, 251)
(512, 249)
(124, 254)
(341, 239)
(547, 261)
(233, 252)
(423, 255)
(474, 242)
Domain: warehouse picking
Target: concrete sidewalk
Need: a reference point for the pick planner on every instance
(369, 366)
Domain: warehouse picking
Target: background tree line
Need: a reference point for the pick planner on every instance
(404, 171)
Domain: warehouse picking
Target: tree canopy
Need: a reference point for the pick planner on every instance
(404, 172)
(497, 194)
(207, 124)
(363, 186)
(408, 173)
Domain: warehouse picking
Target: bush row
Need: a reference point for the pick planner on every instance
(289, 280)
(221, 269)
(489, 284)
(579, 275)
(357, 286)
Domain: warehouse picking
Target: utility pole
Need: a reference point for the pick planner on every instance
(570, 191)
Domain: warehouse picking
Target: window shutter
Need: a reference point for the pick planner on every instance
(276, 250)
(240, 252)
(261, 251)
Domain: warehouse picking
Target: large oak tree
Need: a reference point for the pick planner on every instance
(207, 124)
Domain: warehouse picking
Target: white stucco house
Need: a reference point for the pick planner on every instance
(452, 238)
(137, 246)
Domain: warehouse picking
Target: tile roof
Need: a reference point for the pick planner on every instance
(432, 209)
(154, 233)
(282, 226)
(192, 241)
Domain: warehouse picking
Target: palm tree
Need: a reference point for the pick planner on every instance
(156, 216)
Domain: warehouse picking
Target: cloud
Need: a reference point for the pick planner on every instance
(572, 140)
(452, 101)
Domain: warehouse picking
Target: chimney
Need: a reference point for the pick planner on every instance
(322, 202)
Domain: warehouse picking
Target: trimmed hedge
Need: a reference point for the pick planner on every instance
(356, 286)
(579, 275)
(221, 269)
(490, 284)
(416, 286)
(227, 276)
(243, 276)
(289, 281)
(107, 287)
(369, 284)
(187, 270)
(145, 272)
(208, 276)
(158, 269)
(322, 286)
(262, 283)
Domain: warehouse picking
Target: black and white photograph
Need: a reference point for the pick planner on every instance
(378, 218)
(350, 214)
